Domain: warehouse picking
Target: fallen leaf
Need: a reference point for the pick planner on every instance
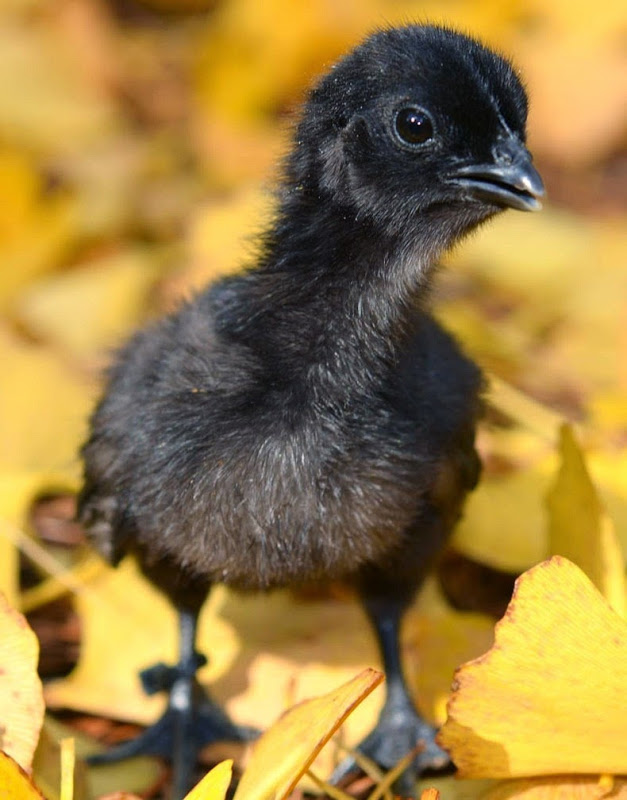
(288, 748)
(144, 624)
(504, 522)
(68, 765)
(220, 240)
(543, 700)
(562, 788)
(47, 768)
(36, 227)
(215, 784)
(15, 783)
(43, 409)
(47, 102)
(21, 700)
(580, 528)
(95, 307)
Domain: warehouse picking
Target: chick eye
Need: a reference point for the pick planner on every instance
(413, 126)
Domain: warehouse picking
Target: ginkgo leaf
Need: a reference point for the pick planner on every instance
(43, 408)
(561, 788)
(545, 699)
(287, 749)
(46, 100)
(215, 784)
(21, 700)
(94, 308)
(14, 782)
(580, 528)
(117, 601)
(36, 227)
(490, 533)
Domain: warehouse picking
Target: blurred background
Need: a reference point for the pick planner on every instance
(138, 139)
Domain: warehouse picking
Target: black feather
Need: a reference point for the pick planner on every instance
(308, 419)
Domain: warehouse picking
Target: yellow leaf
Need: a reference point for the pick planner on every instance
(43, 409)
(285, 751)
(35, 227)
(562, 788)
(68, 762)
(9, 565)
(609, 469)
(117, 600)
(215, 784)
(135, 774)
(220, 239)
(580, 528)
(436, 639)
(546, 698)
(523, 409)
(46, 100)
(15, 783)
(21, 700)
(92, 308)
(504, 522)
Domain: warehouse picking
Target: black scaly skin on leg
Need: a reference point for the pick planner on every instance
(308, 419)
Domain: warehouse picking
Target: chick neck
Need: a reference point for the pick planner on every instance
(345, 289)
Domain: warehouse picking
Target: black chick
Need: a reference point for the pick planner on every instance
(308, 419)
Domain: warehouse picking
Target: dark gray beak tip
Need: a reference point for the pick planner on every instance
(511, 183)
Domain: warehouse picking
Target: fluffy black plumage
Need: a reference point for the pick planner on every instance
(308, 419)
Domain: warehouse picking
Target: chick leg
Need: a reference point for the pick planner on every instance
(400, 727)
(191, 720)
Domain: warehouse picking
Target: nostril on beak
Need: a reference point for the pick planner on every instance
(507, 152)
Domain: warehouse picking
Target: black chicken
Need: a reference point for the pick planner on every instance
(307, 419)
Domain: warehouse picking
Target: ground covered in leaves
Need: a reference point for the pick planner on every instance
(137, 142)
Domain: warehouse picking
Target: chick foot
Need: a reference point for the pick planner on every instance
(400, 730)
(191, 721)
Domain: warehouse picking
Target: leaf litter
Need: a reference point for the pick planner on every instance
(136, 144)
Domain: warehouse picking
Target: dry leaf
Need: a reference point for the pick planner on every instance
(215, 784)
(580, 528)
(562, 788)
(287, 749)
(94, 308)
(504, 520)
(36, 227)
(43, 409)
(15, 783)
(46, 101)
(543, 700)
(21, 700)
(118, 602)
(48, 768)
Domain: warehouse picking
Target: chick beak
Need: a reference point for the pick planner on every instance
(510, 180)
